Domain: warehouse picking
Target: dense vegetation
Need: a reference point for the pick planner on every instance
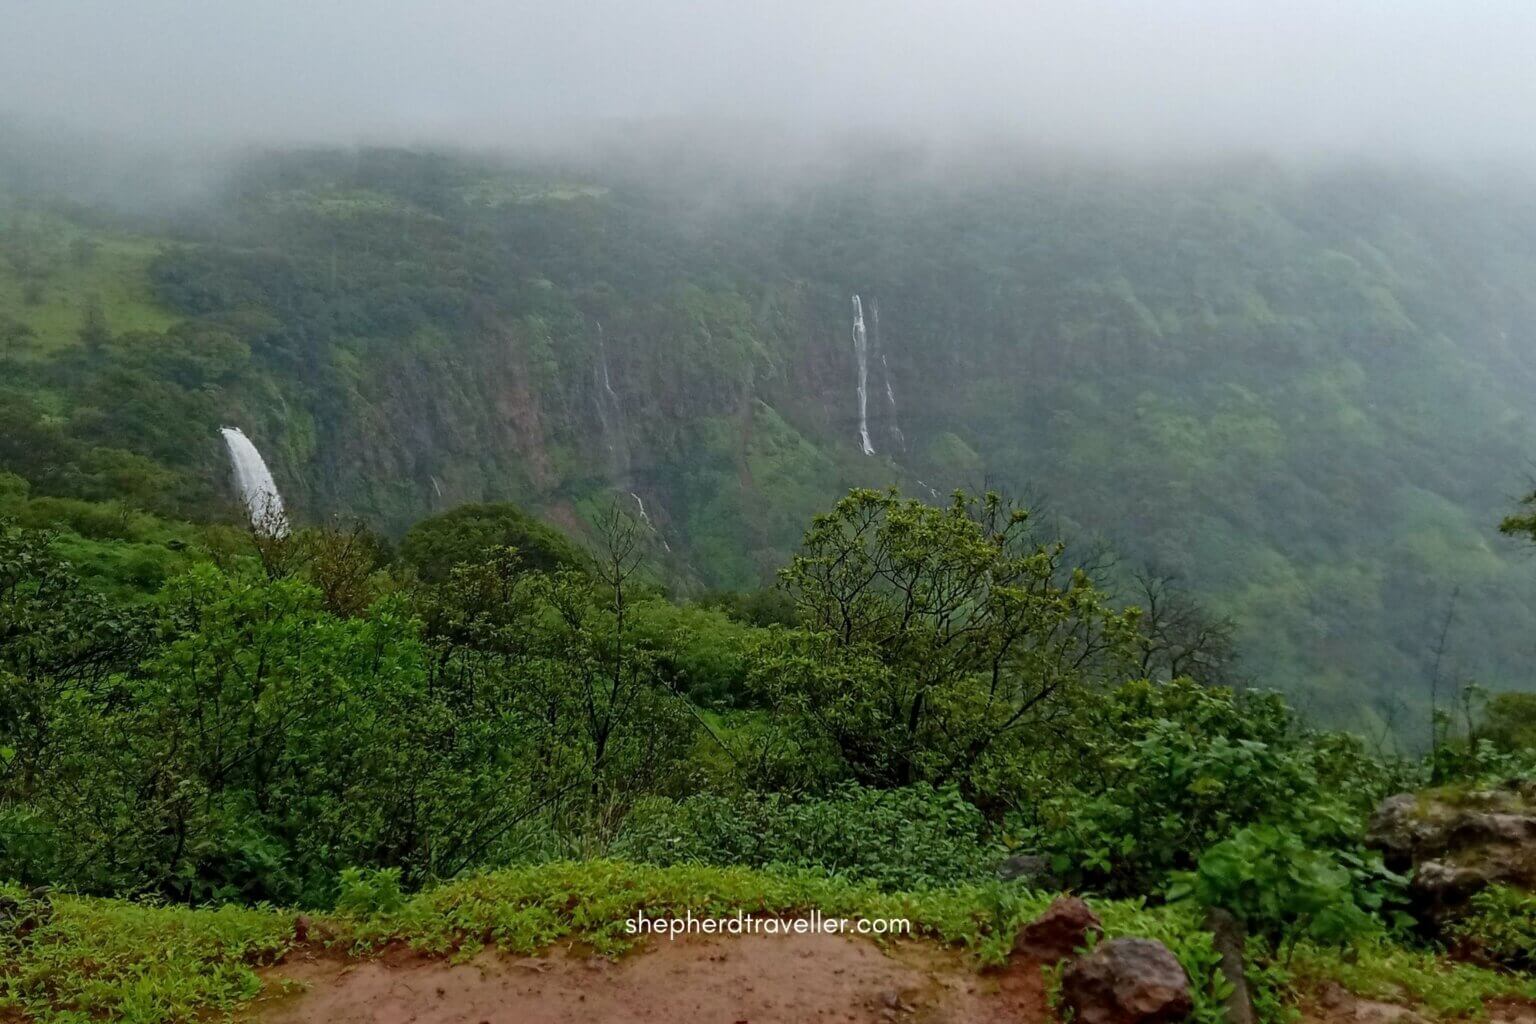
(318, 721)
(1305, 396)
(437, 727)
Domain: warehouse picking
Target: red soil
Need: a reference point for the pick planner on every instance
(754, 979)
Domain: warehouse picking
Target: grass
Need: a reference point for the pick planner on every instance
(110, 959)
(1393, 973)
(106, 959)
(74, 268)
(137, 962)
(120, 552)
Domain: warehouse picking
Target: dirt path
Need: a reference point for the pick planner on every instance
(729, 980)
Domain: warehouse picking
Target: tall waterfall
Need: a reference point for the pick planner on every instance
(885, 372)
(610, 413)
(861, 350)
(257, 489)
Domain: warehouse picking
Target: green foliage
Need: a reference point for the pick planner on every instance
(469, 533)
(1283, 889)
(150, 964)
(901, 839)
(1179, 927)
(1384, 970)
(1500, 927)
(1508, 721)
(935, 640)
(1164, 772)
(261, 743)
(364, 892)
(139, 963)
(700, 651)
(1269, 402)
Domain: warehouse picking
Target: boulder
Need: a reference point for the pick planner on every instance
(1059, 932)
(1030, 869)
(1452, 844)
(1127, 981)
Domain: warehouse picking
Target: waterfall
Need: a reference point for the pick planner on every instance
(647, 521)
(885, 372)
(257, 490)
(861, 350)
(610, 413)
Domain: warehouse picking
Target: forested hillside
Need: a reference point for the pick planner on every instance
(1306, 395)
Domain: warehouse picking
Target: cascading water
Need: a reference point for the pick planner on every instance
(647, 521)
(610, 413)
(257, 489)
(885, 371)
(861, 351)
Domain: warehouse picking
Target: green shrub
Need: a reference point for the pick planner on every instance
(468, 534)
(363, 892)
(1501, 927)
(1166, 771)
(911, 838)
(1283, 889)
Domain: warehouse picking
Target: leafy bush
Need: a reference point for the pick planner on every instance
(1501, 927)
(468, 534)
(1283, 889)
(1164, 772)
(911, 838)
(363, 892)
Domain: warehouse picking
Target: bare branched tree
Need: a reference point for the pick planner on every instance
(1177, 638)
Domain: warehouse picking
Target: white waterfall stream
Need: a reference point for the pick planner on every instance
(610, 412)
(885, 372)
(258, 491)
(646, 519)
(861, 351)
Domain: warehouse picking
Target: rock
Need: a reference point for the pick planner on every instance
(1333, 996)
(19, 918)
(1368, 1012)
(1229, 937)
(1344, 1005)
(1453, 844)
(1059, 932)
(1032, 869)
(1127, 981)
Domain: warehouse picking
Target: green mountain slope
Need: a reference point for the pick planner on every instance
(1309, 396)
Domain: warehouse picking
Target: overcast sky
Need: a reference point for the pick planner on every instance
(1425, 78)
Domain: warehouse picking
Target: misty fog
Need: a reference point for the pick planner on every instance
(1438, 81)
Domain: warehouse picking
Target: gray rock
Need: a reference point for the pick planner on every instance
(1453, 845)
(1127, 981)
